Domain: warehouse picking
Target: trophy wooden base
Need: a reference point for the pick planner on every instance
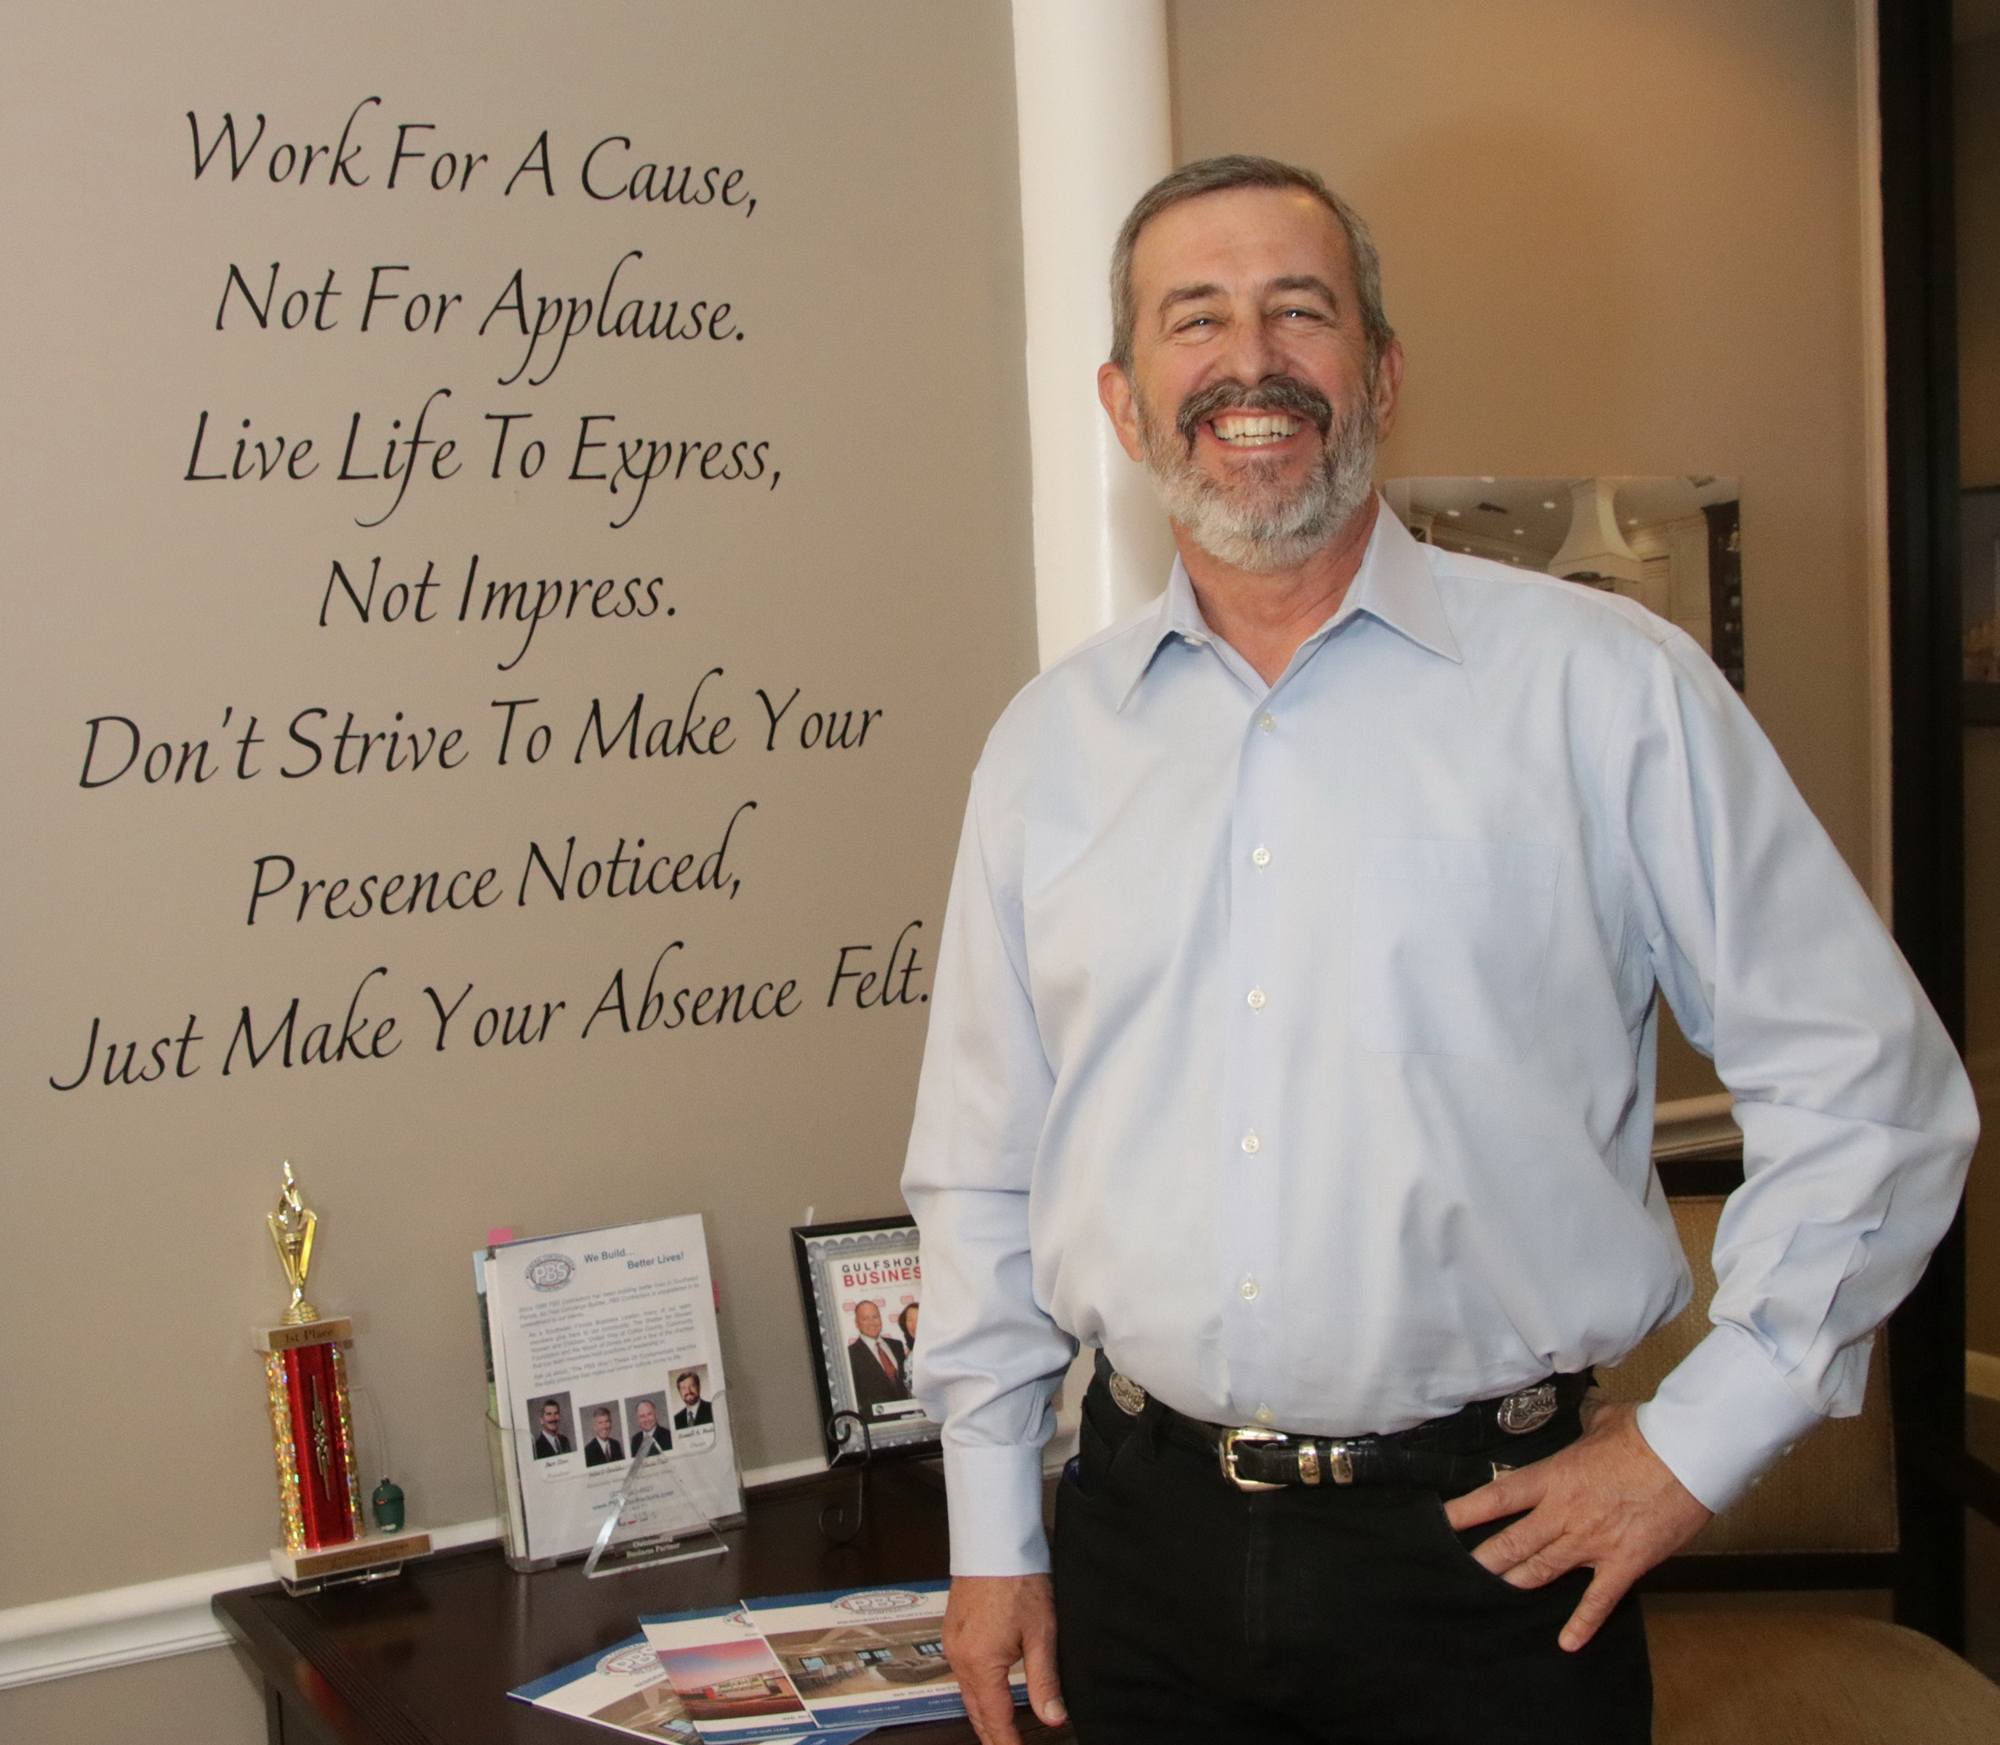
(372, 1557)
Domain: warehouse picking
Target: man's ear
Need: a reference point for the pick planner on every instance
(1114, 391)
(1388, 386)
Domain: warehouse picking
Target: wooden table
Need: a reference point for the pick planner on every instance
(428, 1659)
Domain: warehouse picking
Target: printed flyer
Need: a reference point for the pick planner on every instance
(867, 1657)
(604, 1348)
(628, 1689)
(727, 1679)
(624, 1687)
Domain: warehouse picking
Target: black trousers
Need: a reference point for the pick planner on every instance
(1188, 1610)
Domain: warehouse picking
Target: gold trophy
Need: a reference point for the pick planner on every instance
(292, 1226)
(312, 1427)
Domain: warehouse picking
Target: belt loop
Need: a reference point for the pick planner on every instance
(1147, 1431)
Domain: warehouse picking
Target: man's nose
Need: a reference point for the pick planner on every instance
(1251, 352)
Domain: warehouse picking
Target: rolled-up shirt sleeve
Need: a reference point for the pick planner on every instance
(1856, 1114)
(990, 1359)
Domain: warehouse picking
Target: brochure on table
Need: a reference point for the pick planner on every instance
(866, 1657)
(627, 1689)
(725, 1674)
(604, 1342)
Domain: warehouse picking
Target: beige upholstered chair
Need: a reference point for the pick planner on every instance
(1733, 1675)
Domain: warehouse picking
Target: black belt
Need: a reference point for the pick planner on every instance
(1452, 1453)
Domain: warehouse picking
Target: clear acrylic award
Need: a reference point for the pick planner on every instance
(657, 1515)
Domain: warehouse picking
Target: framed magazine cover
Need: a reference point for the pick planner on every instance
(861, 1284)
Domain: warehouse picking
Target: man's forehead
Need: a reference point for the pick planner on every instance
(1240, 234)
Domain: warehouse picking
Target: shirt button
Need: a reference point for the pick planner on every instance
(1260, 856)
(1248, 1290)
(1252, 1144)
(1269, 723)
(1265, 1415)
(1257, 997)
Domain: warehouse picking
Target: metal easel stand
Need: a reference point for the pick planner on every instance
(843, 1430)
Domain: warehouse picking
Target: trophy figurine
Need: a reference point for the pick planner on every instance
(312, 1426)
(292, 1226)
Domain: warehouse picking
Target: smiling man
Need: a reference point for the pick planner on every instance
(695, 1411)
(649, 1435)
(603, 1448)
(550, 1438)
(1293, 1044)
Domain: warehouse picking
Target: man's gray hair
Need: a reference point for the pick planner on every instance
(1240, 170)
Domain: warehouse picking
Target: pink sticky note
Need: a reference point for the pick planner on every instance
(504, 1234)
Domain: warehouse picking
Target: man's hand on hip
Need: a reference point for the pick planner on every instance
(1607, 1500)
(991, 1622)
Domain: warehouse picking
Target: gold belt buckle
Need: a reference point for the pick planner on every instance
(1227, 1448)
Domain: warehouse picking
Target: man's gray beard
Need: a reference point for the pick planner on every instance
(1253, 523)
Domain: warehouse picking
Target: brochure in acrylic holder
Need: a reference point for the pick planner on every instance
(654, 1518)
(658, 1514)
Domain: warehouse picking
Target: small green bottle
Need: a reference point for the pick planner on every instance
(387, 1504)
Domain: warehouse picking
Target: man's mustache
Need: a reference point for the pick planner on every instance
(1286, 394)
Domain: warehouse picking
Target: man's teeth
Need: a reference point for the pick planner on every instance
(1243, 429)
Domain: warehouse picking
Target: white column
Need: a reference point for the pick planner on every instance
(1096, 131)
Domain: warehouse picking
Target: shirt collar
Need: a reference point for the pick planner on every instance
(1394, 586)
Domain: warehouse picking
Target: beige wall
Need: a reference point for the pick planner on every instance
(1616, 239)
(1976, 72)
(208, 1698)
(879, 285)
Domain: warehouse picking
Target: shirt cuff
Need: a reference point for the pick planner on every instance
(995, 1498)
(1722, 1416)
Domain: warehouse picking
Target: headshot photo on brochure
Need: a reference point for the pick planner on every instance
(647, 1414)
(604, 1446)
(550, 1422)
(693, 1411)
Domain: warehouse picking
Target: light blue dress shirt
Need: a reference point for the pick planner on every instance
(1295, 1044)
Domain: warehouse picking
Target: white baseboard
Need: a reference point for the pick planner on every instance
(121, 1626)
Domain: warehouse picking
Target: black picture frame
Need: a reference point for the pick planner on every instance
(839, 1266)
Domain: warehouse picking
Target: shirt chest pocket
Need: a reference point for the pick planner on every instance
(1449, 945)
